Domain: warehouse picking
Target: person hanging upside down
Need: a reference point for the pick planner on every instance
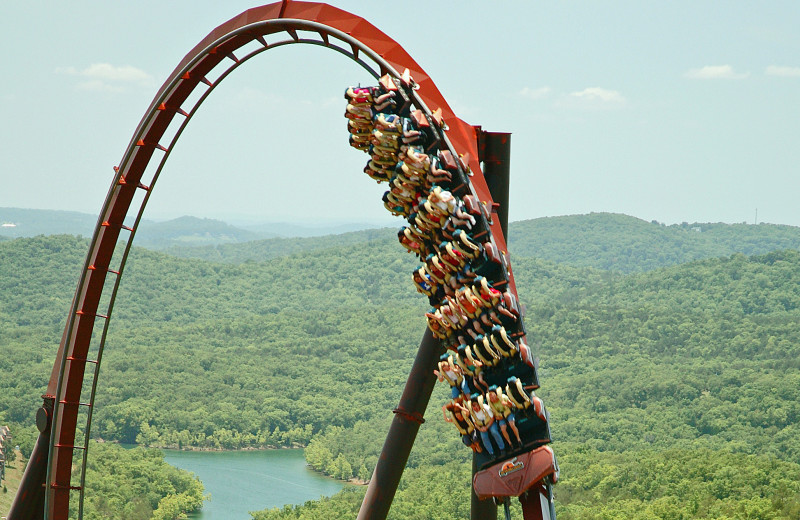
(424, 283)
(439, 328)
(437, 174)
(358, 112)
(389, 123)
(483, 419)
(359, 95)
(462, 218)
(488, 294)
(417, 159)
(470, 366)
(468, 301)
(385, 103)
(450, 372)
(458, 415)
(501, 407)
(408, 241)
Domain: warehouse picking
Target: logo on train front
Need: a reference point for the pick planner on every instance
(510, 467)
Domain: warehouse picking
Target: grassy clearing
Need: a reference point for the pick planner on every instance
(10, 484)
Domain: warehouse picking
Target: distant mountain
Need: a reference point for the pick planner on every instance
(190, 231)
(626, 244)
(261, 250)
(180, 232)
(606, 241)
(285, 229)
(17, 222)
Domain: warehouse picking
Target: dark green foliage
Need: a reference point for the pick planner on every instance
(344, 504)
(684, 377)
(190, 231)
(38, 278)
(626, 244)
(137, 484)
(677, 483)
(229, 338)
(261, 250)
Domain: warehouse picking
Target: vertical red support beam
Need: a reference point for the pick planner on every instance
(403, 432)
(494, 152)
(537, 503)
(480, 509)
(28, 503)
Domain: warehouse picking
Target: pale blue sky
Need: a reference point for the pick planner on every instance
(673, 111)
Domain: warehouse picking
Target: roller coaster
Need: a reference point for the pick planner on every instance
(446, 178)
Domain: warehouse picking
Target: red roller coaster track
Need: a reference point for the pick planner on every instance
(65, 419)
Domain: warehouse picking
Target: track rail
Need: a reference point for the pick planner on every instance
(73, 383)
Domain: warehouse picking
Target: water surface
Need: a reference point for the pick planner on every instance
(242, 481)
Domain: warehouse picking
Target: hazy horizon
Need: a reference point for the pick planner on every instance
(674, 112)
(251, 221)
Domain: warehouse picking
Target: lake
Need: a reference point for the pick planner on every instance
(242, 481)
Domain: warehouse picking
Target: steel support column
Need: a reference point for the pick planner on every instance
(28, 503)
(480, 509)
(403, 432)
(494, 152)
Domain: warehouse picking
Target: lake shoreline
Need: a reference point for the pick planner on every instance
(252, 480)
(201, 448)
(352, 481)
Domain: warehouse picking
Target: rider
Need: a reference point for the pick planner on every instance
(483, 419)
(501, 407)
(456, 413)
(450, 372)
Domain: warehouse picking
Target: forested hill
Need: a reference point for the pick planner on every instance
(191, 231)
(184, 231)
(260, 250)
(692, 368)
(626, 244)
(599, 240)
(38, 277)
(674, 394)
(19, 223)
(603, 241)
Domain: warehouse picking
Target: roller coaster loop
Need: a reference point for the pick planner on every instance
(53, 485)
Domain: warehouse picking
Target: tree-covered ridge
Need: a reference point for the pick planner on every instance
(180, 231)
(599, 240)
(659, 410)
(260, 250)
(626, 244)
(38, 277)
(191, 231)
(222, 339)
(602, 241)
(137, 484)
(32, 222)
(314, 348)
(674, 484)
